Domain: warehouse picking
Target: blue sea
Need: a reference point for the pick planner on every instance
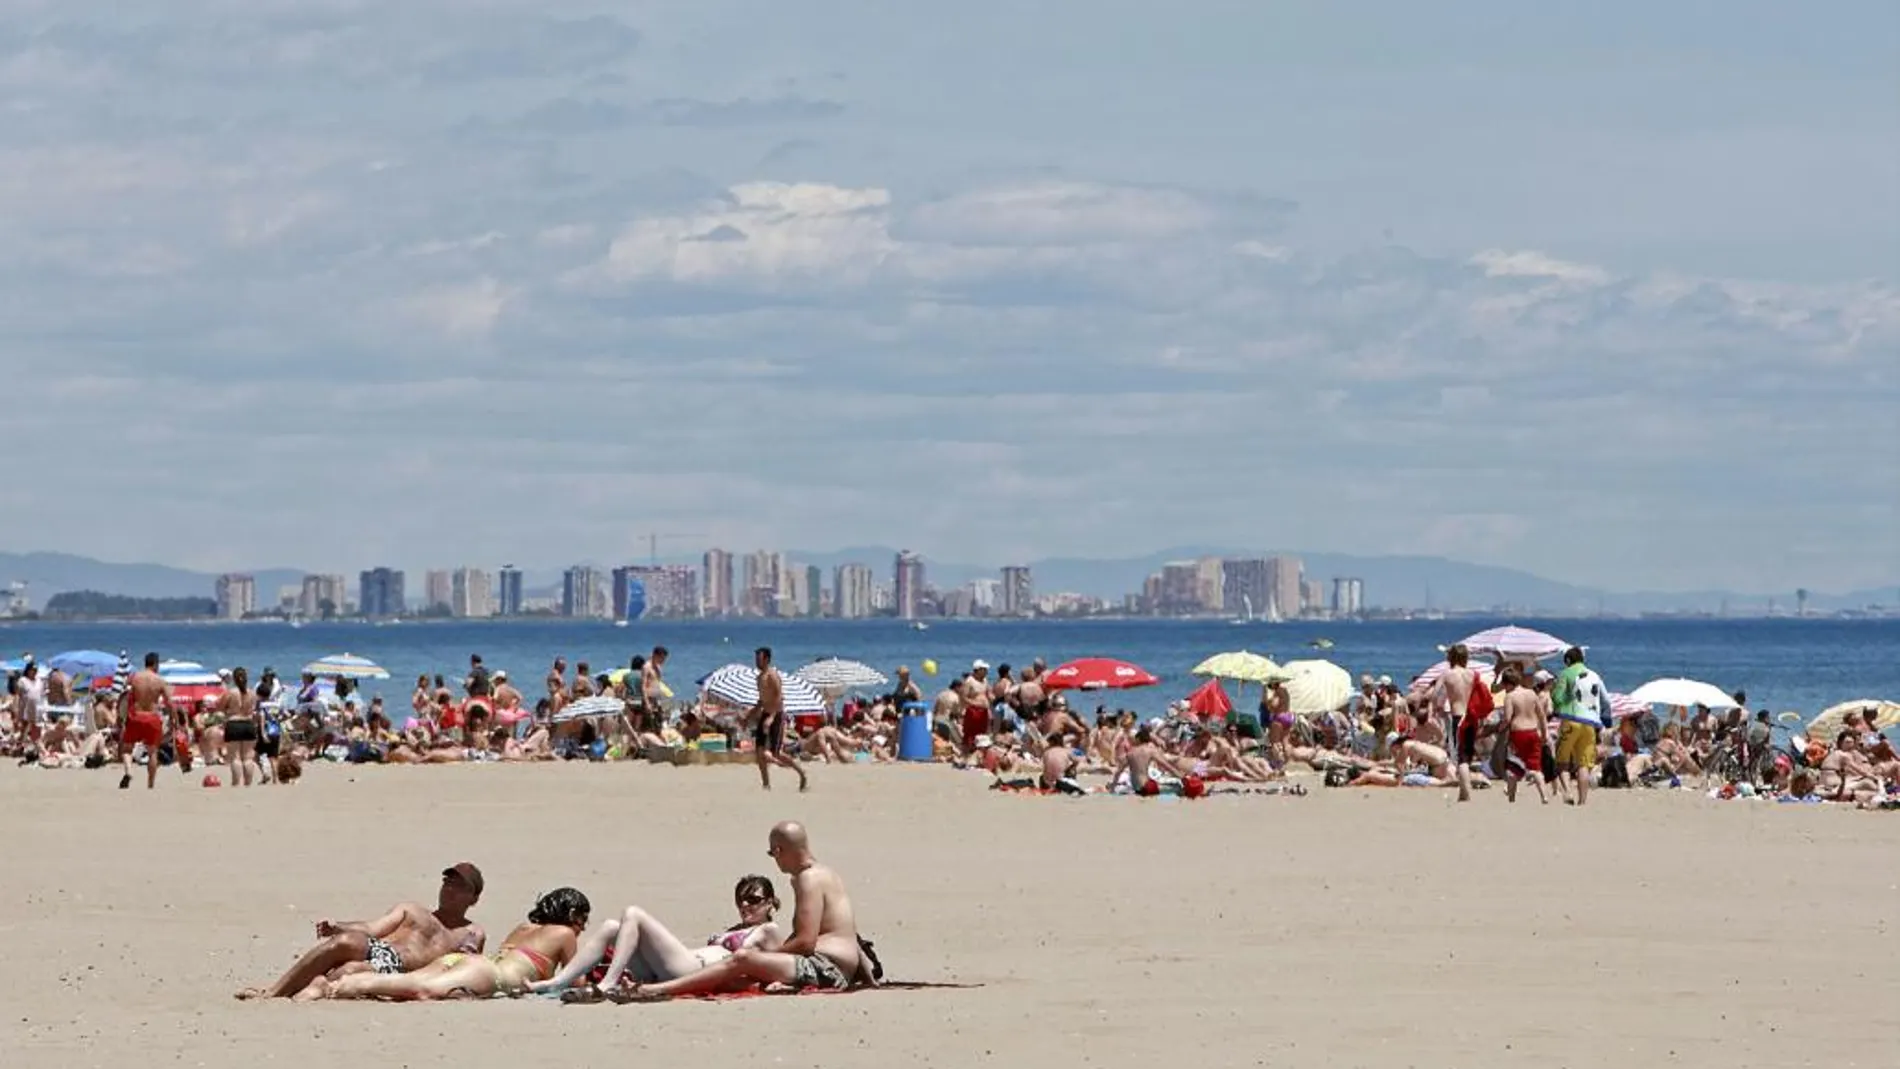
(1784, 664)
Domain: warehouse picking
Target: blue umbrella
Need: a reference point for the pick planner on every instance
(84, 664)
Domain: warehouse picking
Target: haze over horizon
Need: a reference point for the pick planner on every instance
(1604, 293)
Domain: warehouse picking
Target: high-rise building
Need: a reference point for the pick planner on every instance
(1244, 587)
(321, 596)
(814, 591)
(237, 596)
(908, 585)
(767, 583)
(986, 596)
(1180, 588)
(1019, 591)
(437, 590)
(718, 583)
(854, 591)
(1208, 581)
(508, 591)
(1349, 597)
(796, 594)
(1312, 596)
(470, 594)
(379, 593)
(1283, 584)
(581, 593)
(669, 591)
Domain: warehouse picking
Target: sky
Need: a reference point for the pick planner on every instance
(1607, 291)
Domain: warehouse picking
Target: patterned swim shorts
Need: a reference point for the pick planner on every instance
(383, 958)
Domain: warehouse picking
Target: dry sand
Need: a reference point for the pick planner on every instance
(1376, 928)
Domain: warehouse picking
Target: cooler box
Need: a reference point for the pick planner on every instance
(712, 744)
(913, 733)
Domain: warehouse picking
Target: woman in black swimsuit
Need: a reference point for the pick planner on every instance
(240, 730)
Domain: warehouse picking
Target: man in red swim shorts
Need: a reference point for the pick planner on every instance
(144, 696)
(1525, 720)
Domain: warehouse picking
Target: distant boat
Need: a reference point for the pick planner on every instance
(1321, 644)
(919, 625)
(1247, 603)
(620, 623)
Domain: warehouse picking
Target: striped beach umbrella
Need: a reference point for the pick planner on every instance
(1515, 642)
(738, 685)
(348, 666)
(589, 708)
(121, 675)
(835, 675)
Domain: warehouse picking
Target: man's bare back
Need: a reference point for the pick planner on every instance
(1523, 711)
(1457, 684)
(837, 921)
(145, 691)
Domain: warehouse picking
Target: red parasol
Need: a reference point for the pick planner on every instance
(1098, 673)
(1210, 701)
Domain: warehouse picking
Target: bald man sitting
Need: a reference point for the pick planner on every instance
(822, 951)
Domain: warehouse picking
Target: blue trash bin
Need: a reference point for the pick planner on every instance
(913, 733)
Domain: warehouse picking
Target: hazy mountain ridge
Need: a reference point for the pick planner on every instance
(1394, 581)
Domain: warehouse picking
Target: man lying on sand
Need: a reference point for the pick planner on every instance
(823, 951)
(534, 950)
(402, 940)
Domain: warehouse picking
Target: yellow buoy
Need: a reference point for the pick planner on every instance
(930, 667)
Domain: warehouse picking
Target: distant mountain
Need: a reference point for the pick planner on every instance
(1400, 581)
(46, 574)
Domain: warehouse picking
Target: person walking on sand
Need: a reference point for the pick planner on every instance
(1454, 688)
(1525, 722)
(822, 953)
(144, 696)
(767, 721)
(1579, 700)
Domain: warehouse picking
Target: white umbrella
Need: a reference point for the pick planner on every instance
(1683, 692)
(737, 685)
(835, 675)
(589, 708)
(187, 674)
(1315, 686)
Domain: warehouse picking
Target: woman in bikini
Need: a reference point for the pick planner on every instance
(241, 730)
(644, 947)
(533, 951)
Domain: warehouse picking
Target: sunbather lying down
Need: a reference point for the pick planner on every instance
(531, 952)
(647, 951)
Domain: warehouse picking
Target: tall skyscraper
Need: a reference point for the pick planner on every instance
(718, 582)
(470, 594)
(854, 591)
(1312, 596)
(437, 590)
(1244, 587)
(321, 596)
(1349, 597)
(1283, 581)
(1180, 588)
(237, 596)
(581, 593)
(1208, 583)
(508, 591)
(1019, 591)
(669, 591)
(767, 583)
(379, 593)
(814, 591)
(908, 583)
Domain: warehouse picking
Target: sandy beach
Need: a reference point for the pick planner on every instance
(1348, 928)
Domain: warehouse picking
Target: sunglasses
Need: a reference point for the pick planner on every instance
(754, 900)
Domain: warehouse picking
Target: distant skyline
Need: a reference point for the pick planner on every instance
(1606, 293)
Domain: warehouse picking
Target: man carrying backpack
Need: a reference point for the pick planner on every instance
(1579, 699)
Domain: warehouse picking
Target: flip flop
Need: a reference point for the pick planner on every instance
(584, 995)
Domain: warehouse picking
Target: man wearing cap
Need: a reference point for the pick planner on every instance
(406, 938)
(975, 692)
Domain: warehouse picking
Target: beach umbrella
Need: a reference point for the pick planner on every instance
(1513, 641)
(121, 674)
(1209, 700)
(835, 675)
(1315, 686)
(1098, 673)
(1880, 714)
(1423, 683)
(737, 685)
(1623, 706)
(187, 674)
(84, 664)
(619, 675)
(17, 664)
(1683, 692)
(348, 666)
(589, 708)
(1242, 666)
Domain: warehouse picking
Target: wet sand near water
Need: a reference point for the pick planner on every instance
(1348, 928)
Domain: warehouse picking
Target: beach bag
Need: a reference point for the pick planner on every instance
(1481, 704)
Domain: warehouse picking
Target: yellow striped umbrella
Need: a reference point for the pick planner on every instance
(1880, 715)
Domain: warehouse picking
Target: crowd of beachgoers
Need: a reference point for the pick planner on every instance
(1508, 707)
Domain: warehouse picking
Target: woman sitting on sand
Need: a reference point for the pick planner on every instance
(533, 951)
(641, 945)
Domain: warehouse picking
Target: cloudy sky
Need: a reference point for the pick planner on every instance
(1609, 291)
